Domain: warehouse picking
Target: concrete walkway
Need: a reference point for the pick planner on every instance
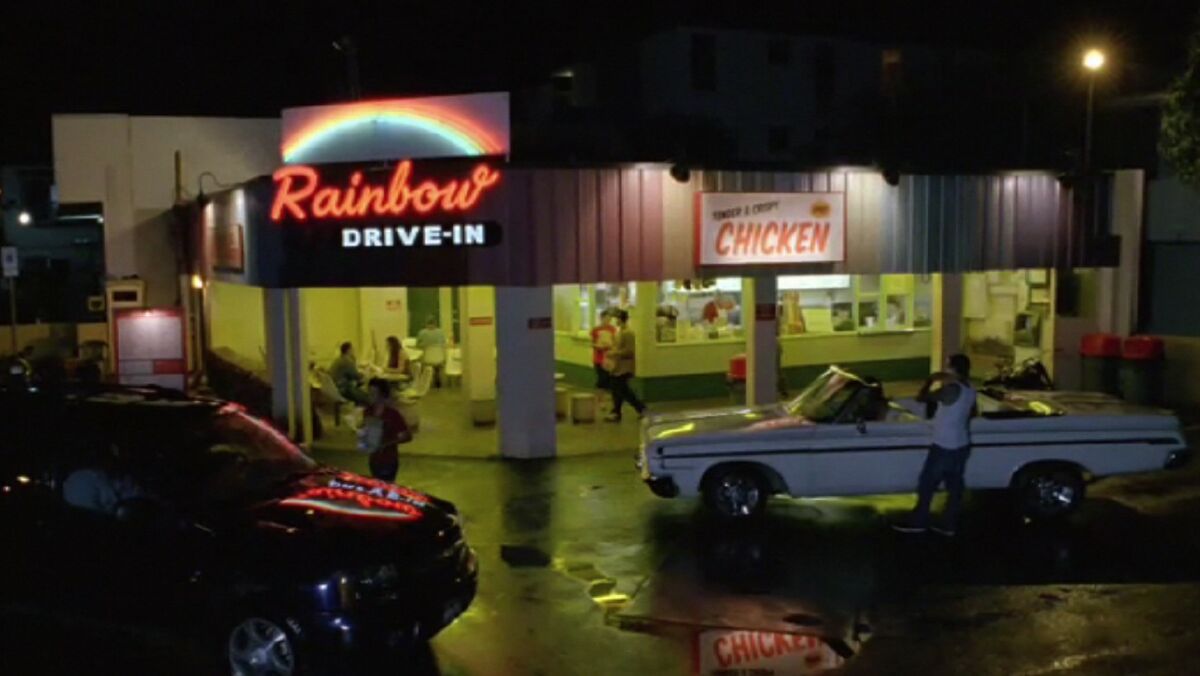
(446, 429)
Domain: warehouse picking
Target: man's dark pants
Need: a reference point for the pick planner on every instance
(623, 394)
(603, 377)
(942, 465)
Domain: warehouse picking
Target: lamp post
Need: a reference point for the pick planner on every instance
(1093, 61)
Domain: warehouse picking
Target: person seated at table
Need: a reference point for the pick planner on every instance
(432, 341)
(397, 358)
(346, 377)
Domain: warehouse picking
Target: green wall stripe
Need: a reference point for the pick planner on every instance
(713, 385)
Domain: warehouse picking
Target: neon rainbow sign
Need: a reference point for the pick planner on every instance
(453, 126)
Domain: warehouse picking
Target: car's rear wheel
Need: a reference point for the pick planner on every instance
(1050, 492)
(736, 491)
(258, 646)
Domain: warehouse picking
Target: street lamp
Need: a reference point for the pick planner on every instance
(1093, 61)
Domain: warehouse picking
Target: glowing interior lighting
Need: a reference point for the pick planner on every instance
(24, 218)
(462, 135)
(197, 282)
(22, 479)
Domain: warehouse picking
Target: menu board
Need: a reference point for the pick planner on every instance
(151, 348)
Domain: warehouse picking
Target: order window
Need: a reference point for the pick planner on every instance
(577, 307)
(831, 304)
(699, 310)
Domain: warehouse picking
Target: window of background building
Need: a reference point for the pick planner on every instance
(823, 304)
(891, 67)
(577, 307)
(704, 62)
(698, 310)
(779, 52)
(778, 139)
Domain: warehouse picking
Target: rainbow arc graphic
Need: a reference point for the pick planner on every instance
(459, 134)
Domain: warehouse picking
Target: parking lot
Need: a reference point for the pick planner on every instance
(584, 572)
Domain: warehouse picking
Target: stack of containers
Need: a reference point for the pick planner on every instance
(1141, 373)
(1101, 357)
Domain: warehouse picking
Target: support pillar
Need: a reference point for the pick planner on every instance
(525, 372)
(759, 303)
(478, 307)
(300, 396)
(287, 363)
(947, 319)
(275, 318)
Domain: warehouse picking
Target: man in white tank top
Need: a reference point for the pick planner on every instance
(946, 461)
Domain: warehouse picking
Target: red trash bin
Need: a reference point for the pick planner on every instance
(1141, 369)
(1100, 356)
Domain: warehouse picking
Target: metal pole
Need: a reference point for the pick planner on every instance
(1087, 132)
(12, 311)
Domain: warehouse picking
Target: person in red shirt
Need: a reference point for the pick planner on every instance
(603, 336)
(383, 431)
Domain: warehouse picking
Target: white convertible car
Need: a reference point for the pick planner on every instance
(841, 436)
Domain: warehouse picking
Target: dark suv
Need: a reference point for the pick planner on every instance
(148, 506)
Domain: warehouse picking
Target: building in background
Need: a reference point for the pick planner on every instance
(60, 247)
(719, 96)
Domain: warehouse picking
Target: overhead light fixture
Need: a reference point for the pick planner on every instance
(24, 218)
(197, 282)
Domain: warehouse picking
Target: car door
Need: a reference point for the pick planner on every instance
(126, 557)
(855, 456)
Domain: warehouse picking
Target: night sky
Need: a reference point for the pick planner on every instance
(255, 57)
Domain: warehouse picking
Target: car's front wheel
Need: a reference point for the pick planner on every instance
(1049, 492)
(258, 646)
(736, 491)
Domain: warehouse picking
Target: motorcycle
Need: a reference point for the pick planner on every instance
(1030, 375)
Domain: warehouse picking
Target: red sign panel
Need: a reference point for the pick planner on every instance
(770, 228)
(480, 321)
(764, 312)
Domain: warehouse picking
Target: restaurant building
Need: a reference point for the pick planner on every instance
(385, 213)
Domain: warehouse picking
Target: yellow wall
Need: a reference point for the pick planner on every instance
(383, 312)
(834, 349)
(331, 316)
(573, 349)
(236, 320)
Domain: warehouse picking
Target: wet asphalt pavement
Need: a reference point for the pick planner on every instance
(583, 571)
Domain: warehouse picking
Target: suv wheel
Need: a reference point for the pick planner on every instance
(261, 647)
(1049, 493)
(736, 492)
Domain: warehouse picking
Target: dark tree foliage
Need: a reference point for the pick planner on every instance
(1179, 142)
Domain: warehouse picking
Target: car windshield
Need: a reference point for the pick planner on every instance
(242, 456)
(825, 397)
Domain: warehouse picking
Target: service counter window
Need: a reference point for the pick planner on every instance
(864, 304)
(699, 310)
(577, 307)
